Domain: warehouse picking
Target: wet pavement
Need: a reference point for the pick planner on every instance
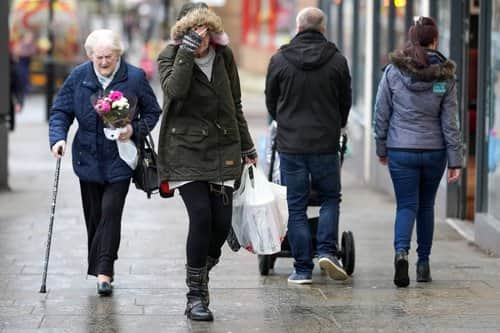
(149, 294)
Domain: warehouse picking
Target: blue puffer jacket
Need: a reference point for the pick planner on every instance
(96, 158)
(416, 108)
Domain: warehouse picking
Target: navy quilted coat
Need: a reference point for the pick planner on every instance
(96, 158)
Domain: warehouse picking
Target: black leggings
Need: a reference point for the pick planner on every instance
(210, 214)
(103, 207)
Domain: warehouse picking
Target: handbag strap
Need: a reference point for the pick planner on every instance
(147, 139)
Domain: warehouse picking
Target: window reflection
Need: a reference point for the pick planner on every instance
(384, 34)
(360, 56)
(444, 23)
(348, 37)
(494, 117)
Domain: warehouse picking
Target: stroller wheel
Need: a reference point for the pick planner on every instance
(266, 262)
(348, 252)
(272, 261)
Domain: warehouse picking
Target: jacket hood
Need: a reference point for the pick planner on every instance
(309, 50)
(196, 17)
(422, 78)
(441, 69)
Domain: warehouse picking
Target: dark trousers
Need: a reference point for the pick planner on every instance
(210, 213)
(103, 208)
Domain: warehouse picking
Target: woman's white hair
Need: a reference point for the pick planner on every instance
(103, 37)
(311, 18)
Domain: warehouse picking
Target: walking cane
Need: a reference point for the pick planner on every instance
(51, 223)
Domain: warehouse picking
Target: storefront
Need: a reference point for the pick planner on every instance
(487, 231)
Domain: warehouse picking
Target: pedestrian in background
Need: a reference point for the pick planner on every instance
(308, 93)
(16, 93)
(417, 135)
(104, 176)
(24, 50)
(203, 139)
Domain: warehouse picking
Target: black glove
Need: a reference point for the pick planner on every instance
(191, 41)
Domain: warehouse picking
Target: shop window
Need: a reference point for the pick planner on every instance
(444, 22)
(359, 58)
(348, 33)
(494, 117)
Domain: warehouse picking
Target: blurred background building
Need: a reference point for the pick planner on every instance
(365, 31)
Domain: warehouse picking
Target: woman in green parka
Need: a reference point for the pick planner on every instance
(203, 141)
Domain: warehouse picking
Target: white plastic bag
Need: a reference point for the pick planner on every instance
(260, 212)
(128, 153)
(126, 149)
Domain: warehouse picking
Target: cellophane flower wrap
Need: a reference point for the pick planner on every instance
(117, 111)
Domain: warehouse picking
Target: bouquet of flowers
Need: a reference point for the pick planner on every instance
(116, 111)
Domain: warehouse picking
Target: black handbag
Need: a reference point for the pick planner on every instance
(145, 176)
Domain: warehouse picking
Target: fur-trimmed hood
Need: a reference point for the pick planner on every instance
(442, 70)
(196, 17)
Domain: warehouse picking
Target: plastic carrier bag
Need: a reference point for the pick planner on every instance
(270, 164)
(260, 212)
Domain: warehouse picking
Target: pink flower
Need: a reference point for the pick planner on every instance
(114, 109)
(103, 105)
(115, 95)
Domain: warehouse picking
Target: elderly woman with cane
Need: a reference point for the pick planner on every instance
(104, 176)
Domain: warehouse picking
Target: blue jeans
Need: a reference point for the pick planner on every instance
(298, 173)
(416, 177)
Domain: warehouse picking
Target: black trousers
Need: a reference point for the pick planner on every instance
(210, 211)
(103, 208)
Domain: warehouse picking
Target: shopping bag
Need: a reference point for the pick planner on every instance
(260, 212)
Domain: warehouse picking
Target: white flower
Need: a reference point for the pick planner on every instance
(121, 104)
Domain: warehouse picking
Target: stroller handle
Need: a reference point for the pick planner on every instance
(343, 147)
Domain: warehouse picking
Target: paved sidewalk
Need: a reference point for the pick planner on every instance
(149, 288)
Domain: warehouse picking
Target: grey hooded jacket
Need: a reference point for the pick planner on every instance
(416, 108)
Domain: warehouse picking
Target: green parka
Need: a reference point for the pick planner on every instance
(203, 134)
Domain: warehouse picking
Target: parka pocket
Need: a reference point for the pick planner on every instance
(188, 135)
(229, 143)
(190, 146)
(228, 135)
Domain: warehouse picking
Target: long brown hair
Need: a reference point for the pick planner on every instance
(420, 35)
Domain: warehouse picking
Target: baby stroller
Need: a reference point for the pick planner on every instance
(346, 253)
